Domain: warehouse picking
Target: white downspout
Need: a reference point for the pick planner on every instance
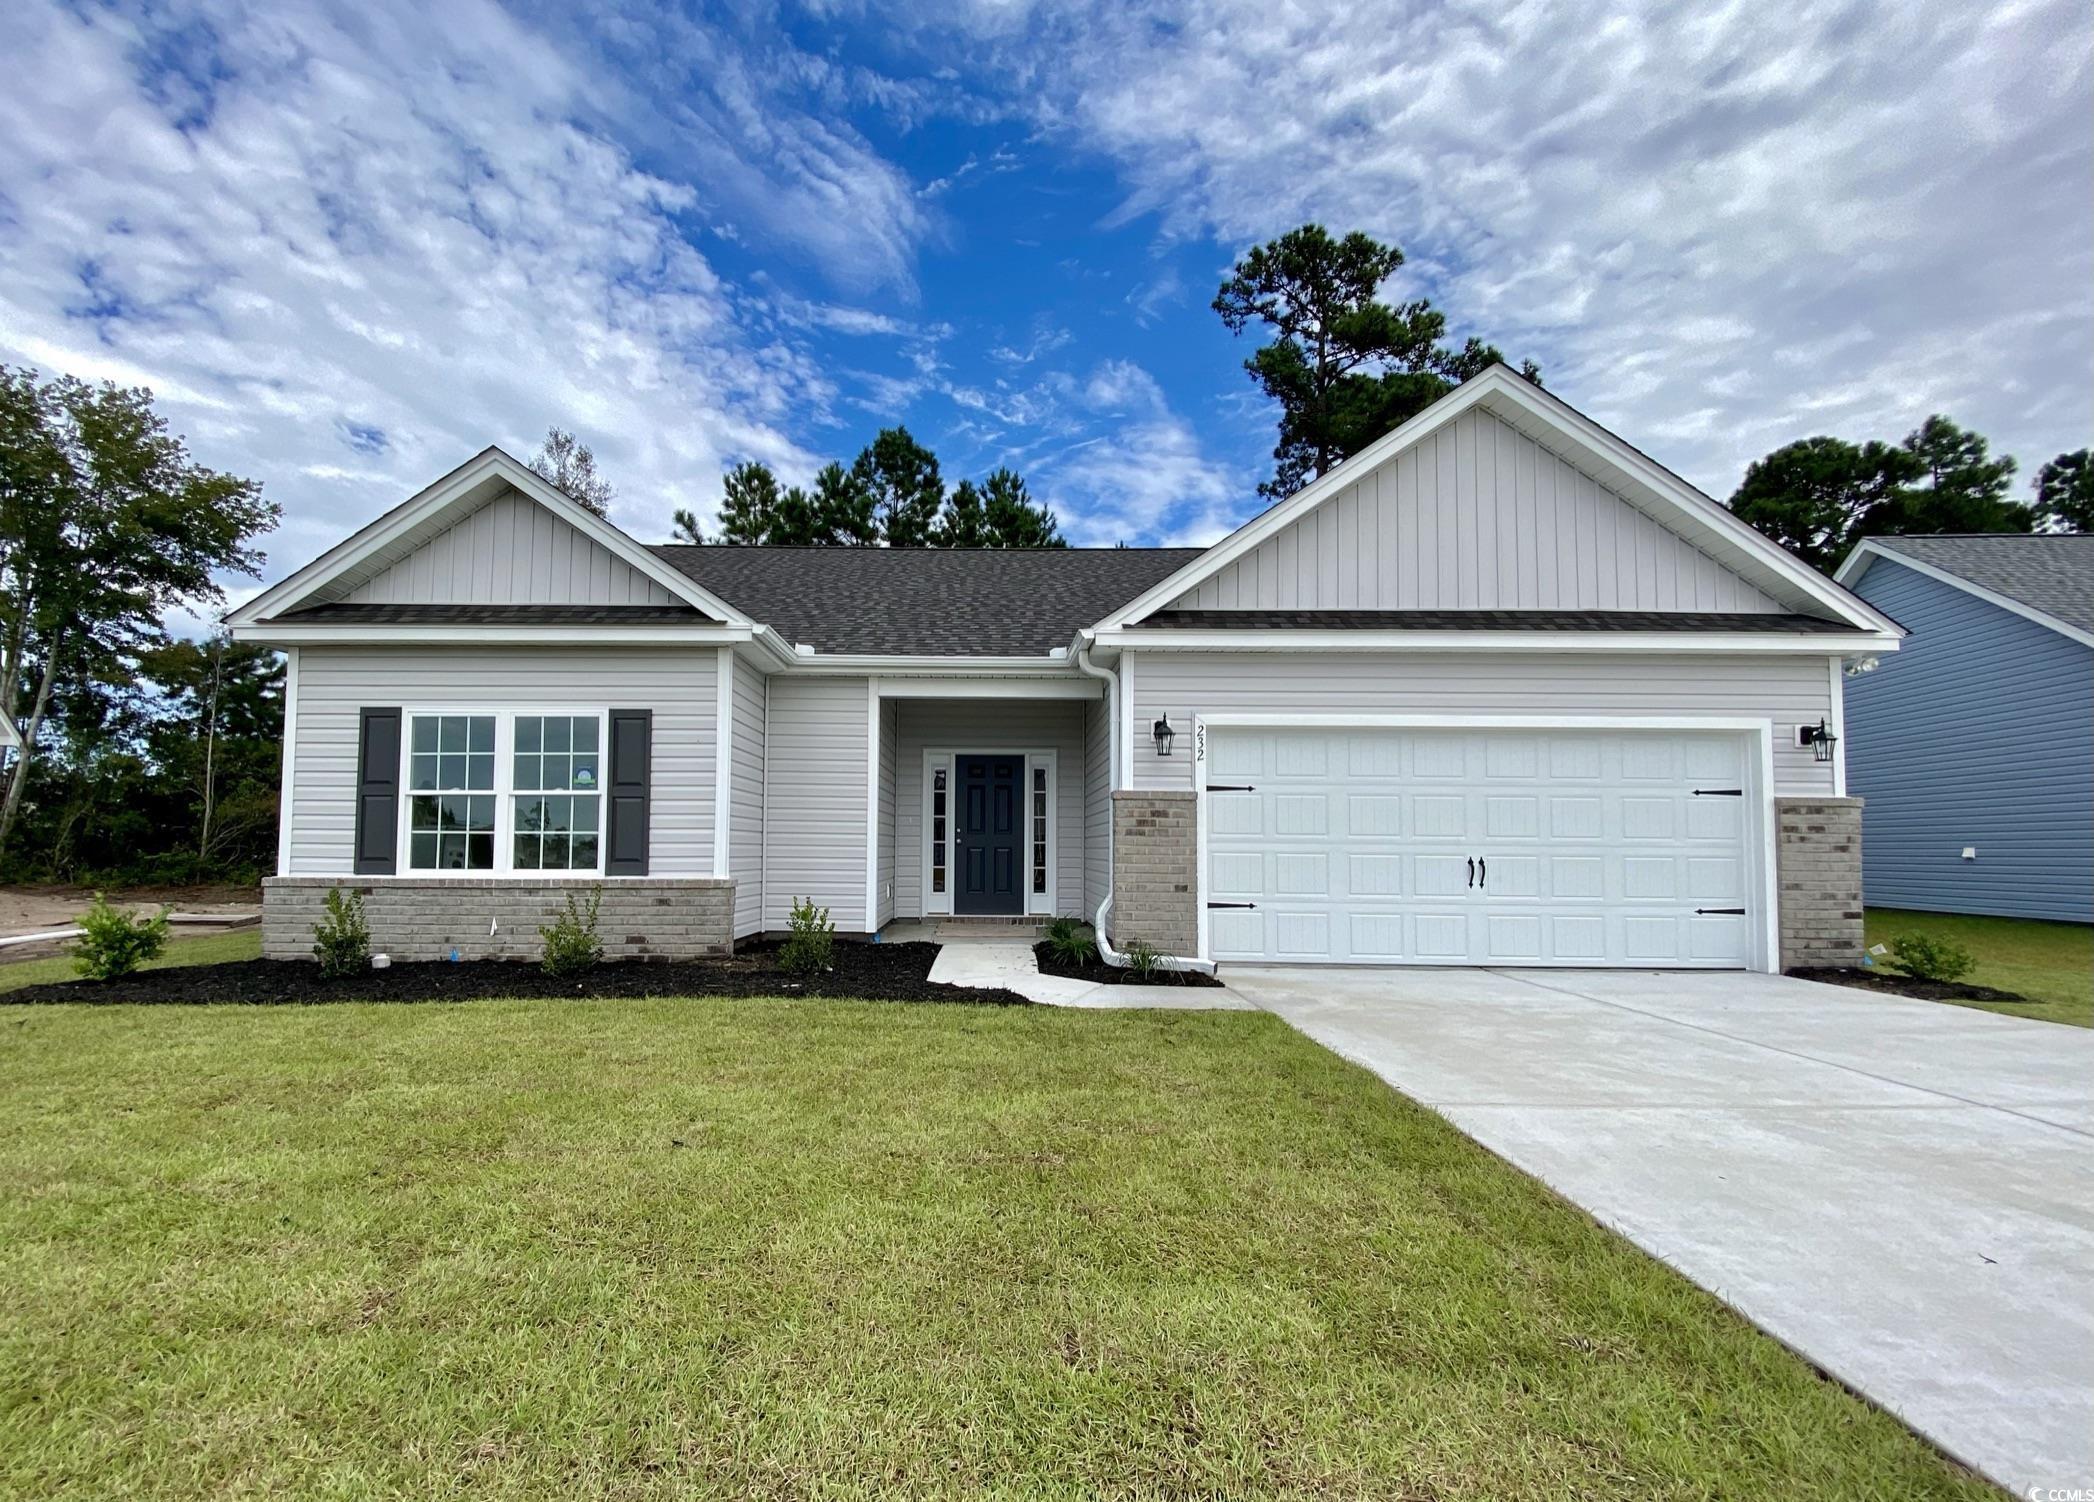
(1113, 719)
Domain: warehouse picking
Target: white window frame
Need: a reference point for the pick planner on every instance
(504, 791)
(935, 758)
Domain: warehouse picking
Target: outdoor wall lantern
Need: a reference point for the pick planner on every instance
(1164, 734)
(1819, 738)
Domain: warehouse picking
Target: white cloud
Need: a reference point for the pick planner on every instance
(1139, 474)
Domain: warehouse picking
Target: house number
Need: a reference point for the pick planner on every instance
(1199, 742)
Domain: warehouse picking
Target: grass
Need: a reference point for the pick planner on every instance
(2051, 963)
(205, 949)
(826, 1250)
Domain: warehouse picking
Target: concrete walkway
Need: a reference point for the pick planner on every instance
(1009, 963)
(1900, 1190)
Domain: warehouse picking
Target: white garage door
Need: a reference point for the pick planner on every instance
(1439, 847)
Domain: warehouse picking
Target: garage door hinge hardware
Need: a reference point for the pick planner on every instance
(1728, 912)
(1232, 904)
(1719, 792)
(1230, 787)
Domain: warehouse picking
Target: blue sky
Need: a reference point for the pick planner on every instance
(348, 246)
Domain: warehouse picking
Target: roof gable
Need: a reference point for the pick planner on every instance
(1661, 539)
(489, 532)
(2045, 578)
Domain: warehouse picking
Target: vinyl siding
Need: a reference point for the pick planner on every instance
(1979, 732)
(815, 787)
(334, 683)
(746, 810)
(1791, 691)
(1097, 806)
(511, 551)
(1055, 725)
(890, 719)
(1476, 516)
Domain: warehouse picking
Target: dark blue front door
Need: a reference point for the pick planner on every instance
(989, 824)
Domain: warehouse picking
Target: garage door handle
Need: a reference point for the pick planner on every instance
(1727, 912)
(1232, 904)
(1483, 873)
(1472, 870)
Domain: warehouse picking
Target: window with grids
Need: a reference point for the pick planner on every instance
(557, 803)
(1039, 830)
(938, 830)
(450, 793)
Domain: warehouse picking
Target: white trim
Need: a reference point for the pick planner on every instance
(723, 761)
(1869, 550)
(1733, 642)
(1032, 757)
(763, 852)
(1051, 666)
(1123, 775)
(1836, 719)
(346, 633)
(872, 805)
(504, 792)
(1510, 395)
(488, 465)
(286, 793)
(1767, 956)
(1060, 687)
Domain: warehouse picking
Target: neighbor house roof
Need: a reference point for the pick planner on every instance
(930, 602)
(2051, 576)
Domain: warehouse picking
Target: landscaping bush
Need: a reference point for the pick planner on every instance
(342, 939)
(114, 941)
(1927, 958)
(1143, 959)
(571, 945)
(1070, 941)
(811, 942)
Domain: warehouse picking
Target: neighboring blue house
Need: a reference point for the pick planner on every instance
(1973, 746)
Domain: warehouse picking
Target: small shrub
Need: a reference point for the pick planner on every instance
(571, 945)
(113, 941)
(342, 939)
(811, 943)
(1143, 959)
(1070, 941)
(1927, 958)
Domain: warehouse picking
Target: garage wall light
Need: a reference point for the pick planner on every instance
(1163, 734)
(1819, 738)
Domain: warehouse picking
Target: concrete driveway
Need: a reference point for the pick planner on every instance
(1902, 1191)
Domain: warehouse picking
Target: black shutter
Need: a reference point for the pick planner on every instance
(625, 849)
(377, 792)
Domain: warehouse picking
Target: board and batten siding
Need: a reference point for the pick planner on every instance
(1476, 516)
(746, 799)
(815, 793)
(511, 551)
(336, 683)
(1789, 690)
(1097, 806)
(1978, 732)
(1055, 725)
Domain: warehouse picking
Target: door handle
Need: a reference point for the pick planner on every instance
(1483, 873)
(1472, 871)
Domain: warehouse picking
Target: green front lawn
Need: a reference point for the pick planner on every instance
(205, 949)
(831, 1249)
(2051, 963)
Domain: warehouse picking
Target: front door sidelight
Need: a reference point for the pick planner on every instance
(989, 833)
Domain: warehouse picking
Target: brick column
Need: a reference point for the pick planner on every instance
(1818, 872)
(1155, 887)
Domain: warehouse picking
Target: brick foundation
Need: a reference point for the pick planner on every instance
(425, 918)
(1818, 871)
(1155, 887)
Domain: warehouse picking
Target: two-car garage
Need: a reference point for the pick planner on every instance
(1483, 845)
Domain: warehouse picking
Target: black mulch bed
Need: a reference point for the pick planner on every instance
(1904, 985)
(1098, 972)
(869, 972)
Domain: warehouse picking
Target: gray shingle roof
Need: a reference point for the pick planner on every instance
(937, 602)
(1488, 620)
(2052, 574)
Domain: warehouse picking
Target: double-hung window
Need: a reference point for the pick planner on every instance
(504, 792)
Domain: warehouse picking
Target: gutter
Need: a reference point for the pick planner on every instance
(1112, 956)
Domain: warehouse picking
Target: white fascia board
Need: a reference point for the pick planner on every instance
(1869, 550)
(1505, 392)
(855, 663)
(1498, 641)
(991, 688)
(283, 634)
(488, 464)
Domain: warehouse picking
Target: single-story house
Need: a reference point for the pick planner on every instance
(1974, 747)
(1497, 690)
